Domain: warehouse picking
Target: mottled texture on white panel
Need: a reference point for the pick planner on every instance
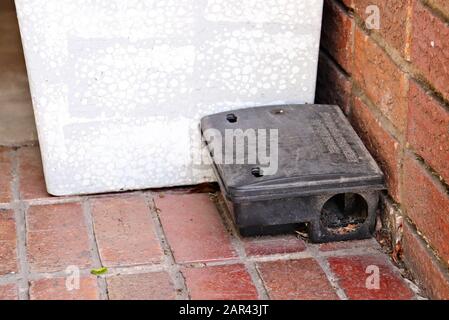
(119, 86)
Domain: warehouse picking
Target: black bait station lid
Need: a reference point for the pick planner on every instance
(283, 151)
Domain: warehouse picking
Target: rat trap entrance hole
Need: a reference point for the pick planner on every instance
(344, 213)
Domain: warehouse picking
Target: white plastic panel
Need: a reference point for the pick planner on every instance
(119, 86)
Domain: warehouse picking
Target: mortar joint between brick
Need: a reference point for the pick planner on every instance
(112, 271)
(402, 173)
(257, 280)
(324, 265)
(172, 267)
(405, 66)
(432, 252)
(393, 54)
(15, 182)
(6, 206)
(408, 31)
(21, 227)
(407, 54)
(335, 63)
(20, 208)
(16, 146)
(52, 201)
(436, 11)
(384, 121)
(431, 91)
(436, 178)
(34, 276)
(94, 250)
(238, 245)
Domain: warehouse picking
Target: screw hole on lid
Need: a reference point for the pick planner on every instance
(278, 111)
(232, 118)
(257, 172)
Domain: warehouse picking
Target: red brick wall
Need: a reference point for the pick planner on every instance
(393, 84)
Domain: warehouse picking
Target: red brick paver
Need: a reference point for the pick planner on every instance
(210, 261)
(8, 255)
(194, 228)
(124, 231)
(144, 286)
(296, 280)
(8, 292)
(31, 175)
(57, 289)
(228, 282)
(57, 237)
(5, 175)
(356, 275)
(123, 228)
(261, 246)
(349, 245)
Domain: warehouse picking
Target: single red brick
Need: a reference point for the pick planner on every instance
(57, 237)
(383, 82)
(423, 264)
(333, 87)
(393, 19)
(228, 282)
(49, 217)
(337, 34)
(57, 289)
(5, 175)
(296, 280)
(8, 253)
(31, 175)
(8, 257)
(144, 286)
(427, 204)
(383, 146)
(353, 275)
(430, 47)
(261, 246)
(7, 225)
(428, 131)
(8, 292)
(349, 245)
(124, 231)
(194, 228)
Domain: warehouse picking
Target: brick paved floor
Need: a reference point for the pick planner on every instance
(16, 111)
(163, 244)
